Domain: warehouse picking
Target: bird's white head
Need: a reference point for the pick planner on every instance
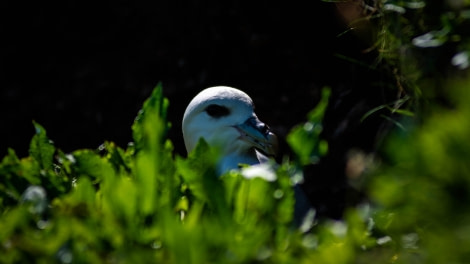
(224, 117)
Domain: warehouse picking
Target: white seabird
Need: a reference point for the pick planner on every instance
(224, 117)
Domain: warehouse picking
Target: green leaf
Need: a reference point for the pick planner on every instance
(120, 159)
(372, 111)
(431, 39)
(41, 148)
(398, 124)
(198, 171)
(403, 112)
(316, 115)
(153, 164)
(305, 139)
(15, 176)
(84, 191)
(89, 163)
(150, 126)
(393, 107)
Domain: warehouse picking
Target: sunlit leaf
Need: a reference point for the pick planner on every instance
(431, 39)
(305, 140)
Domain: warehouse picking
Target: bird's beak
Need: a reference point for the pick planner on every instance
(259, 135)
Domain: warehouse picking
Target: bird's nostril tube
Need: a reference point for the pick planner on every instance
(264, 128)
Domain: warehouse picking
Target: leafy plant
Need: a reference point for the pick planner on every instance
(142, 204)
(305, 139)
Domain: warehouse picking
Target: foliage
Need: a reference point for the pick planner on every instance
(425, 43)
(142, 204)
(116, 205)
(422, 192)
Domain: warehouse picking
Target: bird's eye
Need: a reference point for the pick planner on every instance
(217, 110)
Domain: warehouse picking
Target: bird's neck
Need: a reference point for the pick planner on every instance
(233, 161)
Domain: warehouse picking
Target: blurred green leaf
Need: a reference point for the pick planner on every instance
(305, 139)
(198, 171)
(89, 163)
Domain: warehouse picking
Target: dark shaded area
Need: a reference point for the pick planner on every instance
(83, 70)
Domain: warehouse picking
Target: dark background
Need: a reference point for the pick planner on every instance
(83, 69)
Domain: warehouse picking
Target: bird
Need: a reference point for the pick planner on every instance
(224, 117)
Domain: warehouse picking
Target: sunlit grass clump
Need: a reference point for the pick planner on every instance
(142, 204)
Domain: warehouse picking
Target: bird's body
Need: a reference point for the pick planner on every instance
(224, 117)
